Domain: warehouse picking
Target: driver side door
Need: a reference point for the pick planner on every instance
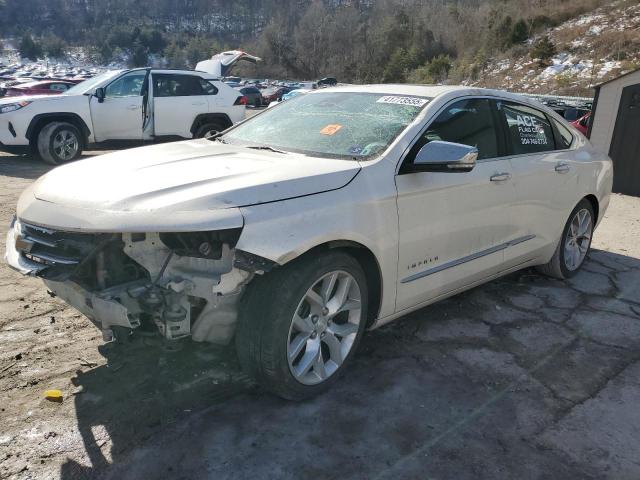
(120, 116)
(454, 226)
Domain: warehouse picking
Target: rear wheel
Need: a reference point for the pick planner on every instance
(208, 130)
(300, 325)
(574, 244)
(59, 142)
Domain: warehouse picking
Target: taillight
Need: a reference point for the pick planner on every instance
(243, 100)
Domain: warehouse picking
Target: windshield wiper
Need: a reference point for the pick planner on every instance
(266, 147)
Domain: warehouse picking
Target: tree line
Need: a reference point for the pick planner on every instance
(421, 41)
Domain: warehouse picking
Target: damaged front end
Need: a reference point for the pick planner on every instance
(184, 284)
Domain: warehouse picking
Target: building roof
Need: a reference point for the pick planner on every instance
(617, 78)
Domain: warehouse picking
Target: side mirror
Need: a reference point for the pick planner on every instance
(100, 94)
(439, 156)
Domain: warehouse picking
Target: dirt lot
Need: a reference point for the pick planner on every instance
(525, 377)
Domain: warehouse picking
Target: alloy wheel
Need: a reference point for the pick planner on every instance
(324, 327)
(65, 145)
(578, 239)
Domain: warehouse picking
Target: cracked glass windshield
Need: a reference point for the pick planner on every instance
(334, 124)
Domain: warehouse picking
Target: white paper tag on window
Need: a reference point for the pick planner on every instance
(413, 101)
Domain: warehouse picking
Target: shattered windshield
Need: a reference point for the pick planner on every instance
(332, 124)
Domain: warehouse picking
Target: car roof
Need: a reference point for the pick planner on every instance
(430, 91)
(199, 73)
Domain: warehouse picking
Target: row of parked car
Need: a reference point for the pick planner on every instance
(40, 79)
(264, 92)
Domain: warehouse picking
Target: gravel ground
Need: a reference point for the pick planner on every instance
(524, 377)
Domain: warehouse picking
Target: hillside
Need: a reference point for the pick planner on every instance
(524, 45)
(591, 49)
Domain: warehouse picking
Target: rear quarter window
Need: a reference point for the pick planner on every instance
(565, 137)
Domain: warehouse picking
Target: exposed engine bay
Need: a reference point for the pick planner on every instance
(182, 284)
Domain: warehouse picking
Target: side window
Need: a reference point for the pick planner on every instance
(129, 85)
(207, 87)
(565, 139)
(470, 122)
(58, 87)
(175, 85)
(528, 129)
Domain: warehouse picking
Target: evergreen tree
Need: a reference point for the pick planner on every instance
(54, 46)
(519, 32)
(139, 55)
(29, 48)
(543, 50)
(438, 69)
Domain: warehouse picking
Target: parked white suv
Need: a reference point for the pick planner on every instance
(138, 104)
(333, 212)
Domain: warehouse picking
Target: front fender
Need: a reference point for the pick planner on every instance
(283, 231)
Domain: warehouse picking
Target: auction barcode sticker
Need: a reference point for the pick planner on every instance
(413, 101)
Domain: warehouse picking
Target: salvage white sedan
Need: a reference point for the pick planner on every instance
(295, 231)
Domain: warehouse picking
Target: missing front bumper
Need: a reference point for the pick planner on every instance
(183, 296)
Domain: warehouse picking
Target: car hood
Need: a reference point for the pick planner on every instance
(33, 98)
(194, 175)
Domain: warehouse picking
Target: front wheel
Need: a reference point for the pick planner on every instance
(574, 244)
(300, 324)
(59, 142)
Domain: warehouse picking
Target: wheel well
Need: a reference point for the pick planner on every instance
(369, 264)
(594, 203)
(204, 118)
(39, 121)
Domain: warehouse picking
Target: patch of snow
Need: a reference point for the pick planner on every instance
(595, 29)
(608, 67)
(503, 65)
(552, 70)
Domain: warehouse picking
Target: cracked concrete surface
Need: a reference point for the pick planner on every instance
(524, 377)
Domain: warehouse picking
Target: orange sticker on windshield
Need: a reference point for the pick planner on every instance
(330, 129)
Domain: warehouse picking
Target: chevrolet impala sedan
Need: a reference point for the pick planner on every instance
(333, 213)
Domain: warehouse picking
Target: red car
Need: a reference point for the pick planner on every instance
(41, 87)
(274, 95)
(582, 124)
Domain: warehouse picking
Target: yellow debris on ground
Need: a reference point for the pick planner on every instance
(53, 395)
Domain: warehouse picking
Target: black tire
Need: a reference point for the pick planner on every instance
(51, 134)
(557, 267)
(266, 315)
(208, 129)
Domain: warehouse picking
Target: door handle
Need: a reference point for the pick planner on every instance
(562, 168)
(500, 177)
(198, 103)
(133, 107)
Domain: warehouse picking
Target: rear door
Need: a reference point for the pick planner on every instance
(120, 115)
(454, 227)
(543, 170)
(177, 99)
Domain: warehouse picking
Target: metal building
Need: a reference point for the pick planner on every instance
(615, 129)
